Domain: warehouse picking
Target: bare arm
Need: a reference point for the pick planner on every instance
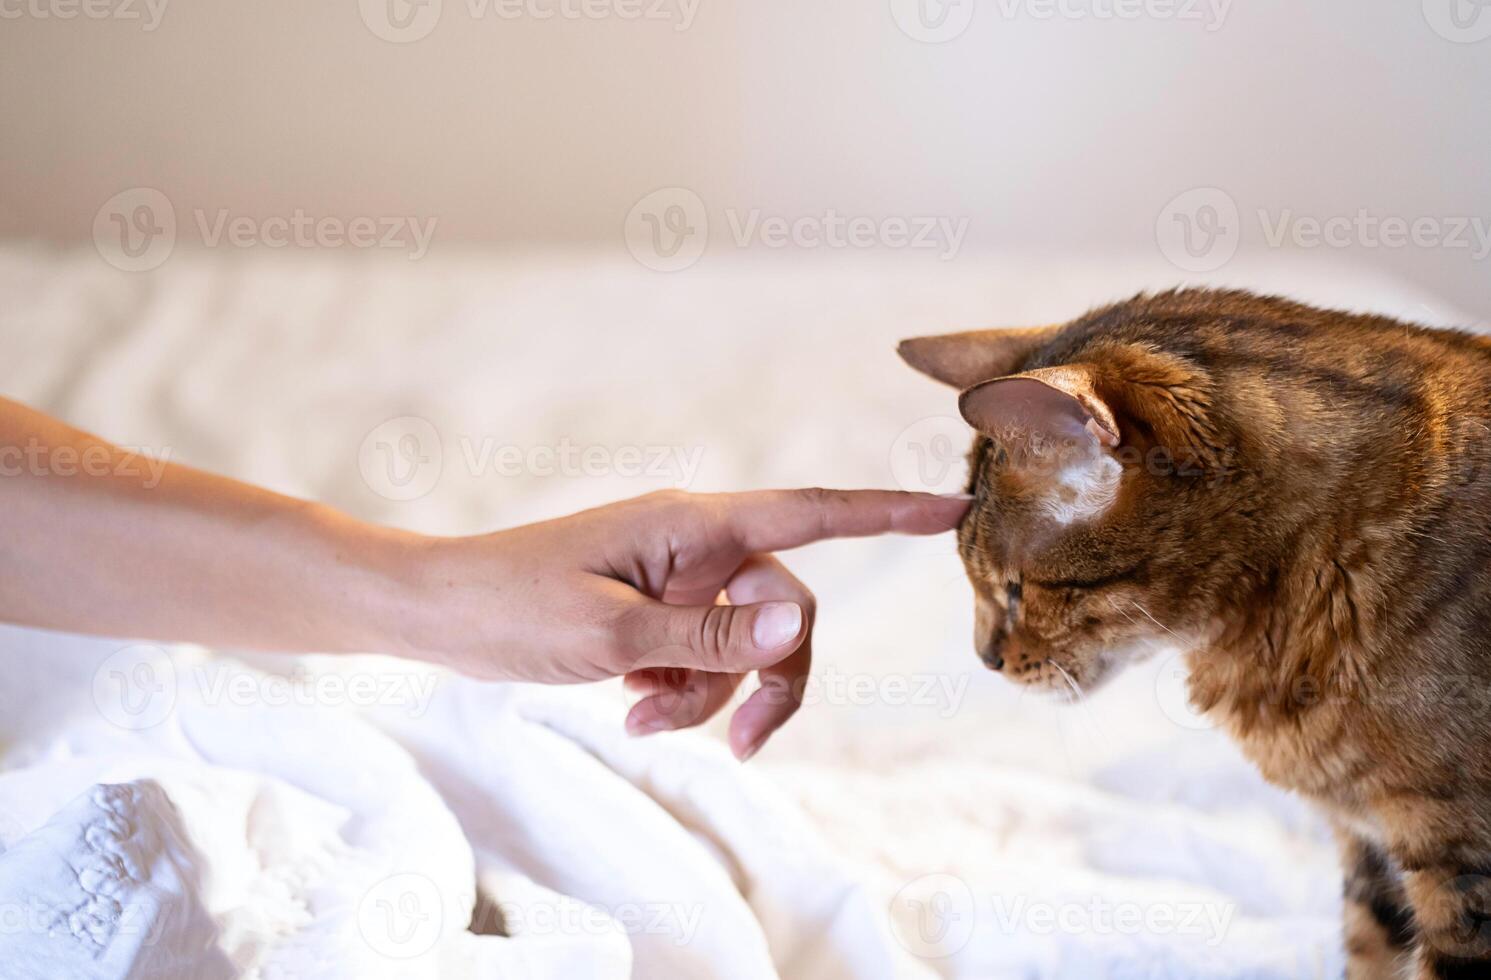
(96, 540)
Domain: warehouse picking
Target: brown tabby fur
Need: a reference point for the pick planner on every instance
(1306, 500)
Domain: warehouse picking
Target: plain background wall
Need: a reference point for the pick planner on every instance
(1051, 133)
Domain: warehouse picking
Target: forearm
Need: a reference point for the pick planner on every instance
(96, 540)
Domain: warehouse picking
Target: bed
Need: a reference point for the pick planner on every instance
(170, 810)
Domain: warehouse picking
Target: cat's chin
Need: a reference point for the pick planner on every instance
(1071, 682)
(1067, 683)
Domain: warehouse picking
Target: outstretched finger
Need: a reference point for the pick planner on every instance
(775, 520)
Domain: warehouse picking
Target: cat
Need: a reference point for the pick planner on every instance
(1300, 499)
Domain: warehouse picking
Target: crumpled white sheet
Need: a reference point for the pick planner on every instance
(172, 828)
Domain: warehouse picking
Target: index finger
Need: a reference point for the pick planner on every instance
(774, 520)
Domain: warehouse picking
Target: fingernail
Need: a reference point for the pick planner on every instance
(636, 727)
(752, 749)
(956, 496)
(776, 623)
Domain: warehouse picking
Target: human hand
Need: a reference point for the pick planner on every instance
(678, 592)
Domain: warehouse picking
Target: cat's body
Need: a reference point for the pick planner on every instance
(1303, 498)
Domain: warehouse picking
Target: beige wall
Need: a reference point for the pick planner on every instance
(1060, 132)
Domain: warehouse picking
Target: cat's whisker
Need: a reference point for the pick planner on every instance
(1080, 701)
(1153, 620)
(1070, 682)
(1119, 609)
(1148, 644)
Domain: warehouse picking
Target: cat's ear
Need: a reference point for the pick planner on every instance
(965, 359)
(1048, 407)
(1051, 430)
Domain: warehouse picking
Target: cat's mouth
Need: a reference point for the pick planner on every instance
(1070, 681)
(1066, 681)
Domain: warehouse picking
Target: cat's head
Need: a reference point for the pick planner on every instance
(1104, 471)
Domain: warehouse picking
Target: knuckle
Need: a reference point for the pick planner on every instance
(670, 497)
(824, 504)
(816, 496)
(712, 642)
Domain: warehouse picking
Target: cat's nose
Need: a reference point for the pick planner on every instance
(991, 652)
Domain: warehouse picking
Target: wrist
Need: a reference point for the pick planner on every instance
(434, 599)
(377, 586)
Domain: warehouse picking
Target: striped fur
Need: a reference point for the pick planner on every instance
(1306, 504)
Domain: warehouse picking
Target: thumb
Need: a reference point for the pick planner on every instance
(720, 639)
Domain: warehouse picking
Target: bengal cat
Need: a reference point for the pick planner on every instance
(1302, 499)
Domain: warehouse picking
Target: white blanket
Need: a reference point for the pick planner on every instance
(168, 813)
(180, 812)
